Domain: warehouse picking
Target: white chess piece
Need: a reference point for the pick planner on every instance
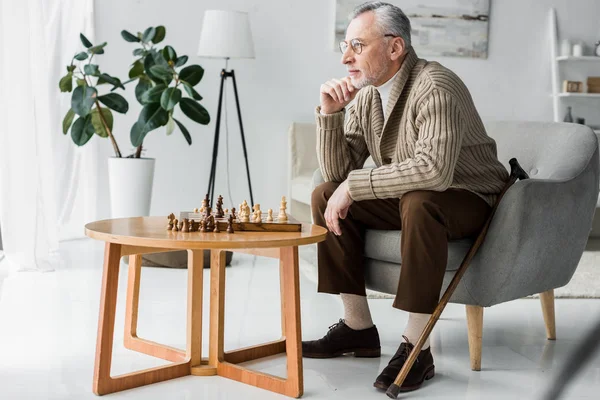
(282, 215)
(270, 215)
(244, 212)
(257, 213)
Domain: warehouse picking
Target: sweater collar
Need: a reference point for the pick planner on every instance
(400, 79)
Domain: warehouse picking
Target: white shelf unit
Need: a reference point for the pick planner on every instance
(562, 67)
(573, 58)
(583, 95)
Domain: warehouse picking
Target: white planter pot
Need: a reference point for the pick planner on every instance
(130, 183)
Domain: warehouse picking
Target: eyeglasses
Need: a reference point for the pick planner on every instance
(356, 45)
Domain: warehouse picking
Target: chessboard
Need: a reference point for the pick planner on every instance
(205, 219)
(291, 225)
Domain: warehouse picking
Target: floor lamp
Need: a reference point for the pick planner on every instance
(226, 34)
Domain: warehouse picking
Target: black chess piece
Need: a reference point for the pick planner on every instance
(230, 223)
(220, 213)
(210, 225)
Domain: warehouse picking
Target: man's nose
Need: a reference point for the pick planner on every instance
(347, 56)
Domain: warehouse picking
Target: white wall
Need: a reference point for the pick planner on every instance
(293, 57)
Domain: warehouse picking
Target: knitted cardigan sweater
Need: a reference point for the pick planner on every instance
(433, 138)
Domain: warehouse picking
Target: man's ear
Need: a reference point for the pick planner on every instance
(398, 48)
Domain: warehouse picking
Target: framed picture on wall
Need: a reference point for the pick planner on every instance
(440, 28)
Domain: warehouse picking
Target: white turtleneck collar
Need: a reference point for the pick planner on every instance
(384, 92)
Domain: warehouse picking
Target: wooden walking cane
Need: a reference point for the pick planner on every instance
(516, 173)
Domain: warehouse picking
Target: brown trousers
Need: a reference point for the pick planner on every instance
(427, 219)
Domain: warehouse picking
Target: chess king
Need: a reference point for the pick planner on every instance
(436, 177)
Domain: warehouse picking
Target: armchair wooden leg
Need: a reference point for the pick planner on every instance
(547, 300)
(475, 328)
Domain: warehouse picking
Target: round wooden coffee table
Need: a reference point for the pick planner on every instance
(136, 236)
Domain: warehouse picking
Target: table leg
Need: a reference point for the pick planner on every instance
(290, 344)
(217, 306)
(198, 366)
(131, 339)
(103, 383)
(293, 329)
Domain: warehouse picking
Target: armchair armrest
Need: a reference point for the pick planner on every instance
(317, 179)
(536, 238)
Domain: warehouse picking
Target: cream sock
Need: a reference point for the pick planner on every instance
(414, 327)
(356, 311)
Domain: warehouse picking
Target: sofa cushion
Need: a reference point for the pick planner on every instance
(302, 188)
(385, 246)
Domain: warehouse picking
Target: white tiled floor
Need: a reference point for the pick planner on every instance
(48, 330)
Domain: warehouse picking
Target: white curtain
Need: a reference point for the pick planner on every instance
(48, 186)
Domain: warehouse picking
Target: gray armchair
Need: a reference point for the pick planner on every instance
(537, 236)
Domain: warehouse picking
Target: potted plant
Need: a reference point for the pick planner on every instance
(159, 92)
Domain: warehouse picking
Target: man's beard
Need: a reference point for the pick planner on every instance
(370, 80)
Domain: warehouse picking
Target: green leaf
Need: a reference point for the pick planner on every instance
(194, 111)
(138, 52)
(137, 134)
(136, 70)
(159, 35)
(192, 74)
(149, 63)
(97, 122)
(190, 90)
(148, 34)
(91, 69)
(170, 98)
(185, 132)
(99, 49)
(158, 58)
(169, 53)
(154, 94)
(66, 83)
(142, 87)
(71, 68)
(129, 37)
(67, 121)
(115, 101)
(181, 61)
(82, 131)
(81, 82)
(151, 117)
(162, 72)
(106, 78)
(82, 100)
(81, 56)
(170, 125)
(85, 41)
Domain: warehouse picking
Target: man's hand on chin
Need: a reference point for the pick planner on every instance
(337, 207)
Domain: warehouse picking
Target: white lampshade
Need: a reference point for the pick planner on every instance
(226, 34)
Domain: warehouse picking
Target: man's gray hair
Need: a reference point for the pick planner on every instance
(391, 19)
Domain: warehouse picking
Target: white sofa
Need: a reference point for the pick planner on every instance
(302, 162)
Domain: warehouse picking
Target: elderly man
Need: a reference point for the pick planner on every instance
(436, 177)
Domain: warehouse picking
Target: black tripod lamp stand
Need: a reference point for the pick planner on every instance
(226, 34)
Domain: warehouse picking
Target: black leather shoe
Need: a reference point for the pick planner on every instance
(422, 370)
(341, 339)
